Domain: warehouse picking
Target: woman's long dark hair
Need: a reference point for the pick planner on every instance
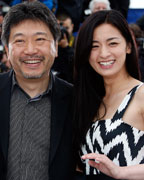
(89, 85)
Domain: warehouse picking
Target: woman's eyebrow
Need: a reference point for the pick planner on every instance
(109, 39)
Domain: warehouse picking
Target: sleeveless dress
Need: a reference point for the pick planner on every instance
(119, 141)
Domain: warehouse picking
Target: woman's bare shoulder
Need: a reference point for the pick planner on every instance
(139, 95)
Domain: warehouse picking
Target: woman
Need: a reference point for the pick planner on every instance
(109, 100)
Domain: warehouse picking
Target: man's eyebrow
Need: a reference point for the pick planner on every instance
(37, 33)
(40, 33)
(18, 34)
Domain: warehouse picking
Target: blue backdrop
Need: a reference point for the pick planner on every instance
(134, 14)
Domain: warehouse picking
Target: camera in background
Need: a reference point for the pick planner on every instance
(63, 31)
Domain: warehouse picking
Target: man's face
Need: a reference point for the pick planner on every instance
(99, 6)
(31, 50)
(68, 25)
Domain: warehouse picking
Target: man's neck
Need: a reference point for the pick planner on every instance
(33, 87)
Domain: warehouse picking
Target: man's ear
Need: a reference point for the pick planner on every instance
(56, 47)
(128, 48)
(6, 50)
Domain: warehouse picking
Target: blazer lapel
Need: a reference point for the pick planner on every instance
(5, 94)
(58, 117)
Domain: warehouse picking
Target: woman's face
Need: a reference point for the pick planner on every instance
(109, 49)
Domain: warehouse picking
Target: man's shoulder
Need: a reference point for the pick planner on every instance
(5, 85)
(5, 74)
(4, 77)
(62, 86)
(60, 82)
(63, 82)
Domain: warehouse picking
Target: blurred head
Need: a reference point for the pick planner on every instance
(138, 33)
(66, 21)
(1, 18)
(97, 5)
(85, 39)
(5, 61)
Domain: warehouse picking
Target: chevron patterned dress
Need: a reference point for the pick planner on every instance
(121, 142)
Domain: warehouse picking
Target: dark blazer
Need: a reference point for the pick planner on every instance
(60, 160)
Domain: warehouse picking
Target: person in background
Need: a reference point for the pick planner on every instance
(4, 8)
(4, 63)
(66, 23)
(63, 65)
(108, 108)
(74, 9)
(138, 33)
(97, 5)
(35, 106)
(140, 22)
(120, 5)
(139, 37)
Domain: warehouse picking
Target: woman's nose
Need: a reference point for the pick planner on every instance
(104, 52)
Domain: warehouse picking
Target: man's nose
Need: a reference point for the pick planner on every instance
(30, 48)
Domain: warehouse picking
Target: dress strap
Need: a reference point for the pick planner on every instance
(126, 101)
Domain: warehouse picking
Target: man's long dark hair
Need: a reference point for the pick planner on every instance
(89, 85)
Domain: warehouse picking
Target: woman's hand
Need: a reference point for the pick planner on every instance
(104, 164)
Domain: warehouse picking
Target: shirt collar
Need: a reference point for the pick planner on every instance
(48, 90)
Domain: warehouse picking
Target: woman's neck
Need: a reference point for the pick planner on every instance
(117, 84)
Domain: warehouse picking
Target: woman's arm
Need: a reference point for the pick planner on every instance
(108, 167)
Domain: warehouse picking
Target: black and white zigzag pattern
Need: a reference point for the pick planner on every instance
(122, 143)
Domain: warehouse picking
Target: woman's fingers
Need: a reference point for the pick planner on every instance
(96, 157)
(103, 163)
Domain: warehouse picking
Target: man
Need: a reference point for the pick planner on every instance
(35, 106)
(63, 65)
(98, 5)
(66, 22)
(74, 9)
(122, 6)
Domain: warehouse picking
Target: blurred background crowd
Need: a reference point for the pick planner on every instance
(70, 15)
